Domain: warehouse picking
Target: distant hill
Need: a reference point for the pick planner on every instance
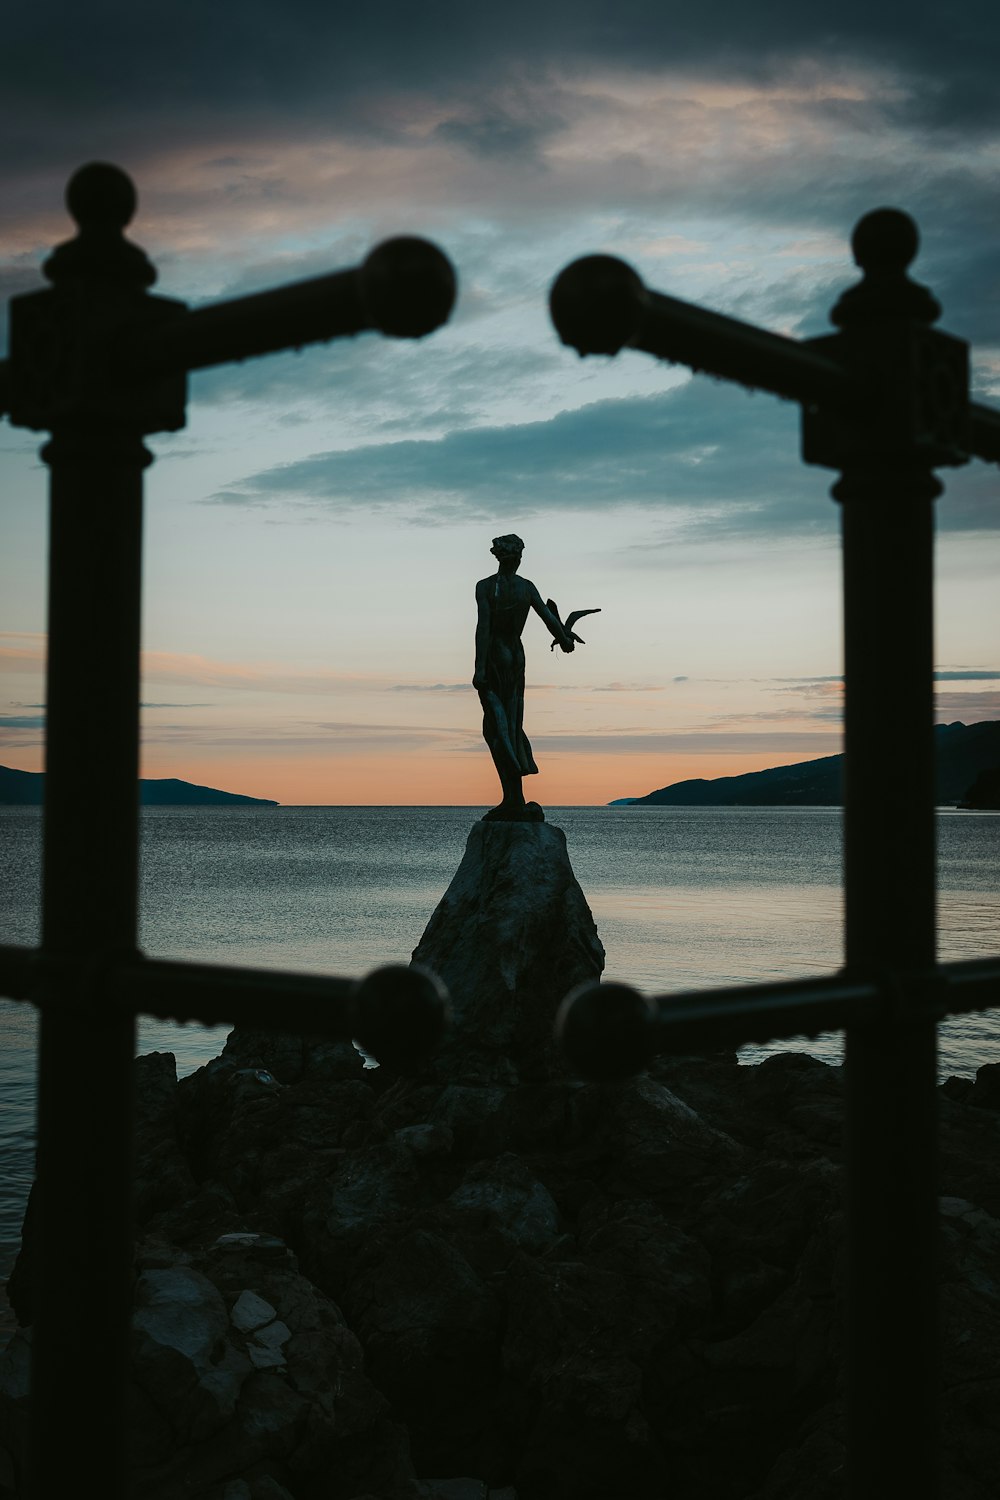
(26, 789)
(963, 752)
(984, 793)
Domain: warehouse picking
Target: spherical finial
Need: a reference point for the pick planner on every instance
(409, 287)
(596, 304)
(102, 200)
(101, 196)
(885, 240)
(606, 1030)
(401, 1013)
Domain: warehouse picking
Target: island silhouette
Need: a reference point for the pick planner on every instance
(962, 753)
(27, 789)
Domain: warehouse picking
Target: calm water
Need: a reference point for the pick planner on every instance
(683, 898)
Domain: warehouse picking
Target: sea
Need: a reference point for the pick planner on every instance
(683, 898)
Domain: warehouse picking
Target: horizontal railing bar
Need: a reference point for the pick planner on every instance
(984, 432)
(696, 1019)
(398, 1013)
(971, 984)
(175, 990)
(405, 288)
(732, 350)
(827, 1004)
(600, 305)
(608, 1030)
(216, 994)
(304, 313)
(281, 1000)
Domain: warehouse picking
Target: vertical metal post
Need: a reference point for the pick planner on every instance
(93, 362)
(90, 854)
(912, 377)
(892, 1271)
(885, 401)
(68, 378)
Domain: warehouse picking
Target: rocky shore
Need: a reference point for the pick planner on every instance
(483, 1280)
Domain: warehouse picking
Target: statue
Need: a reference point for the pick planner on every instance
(503, 600)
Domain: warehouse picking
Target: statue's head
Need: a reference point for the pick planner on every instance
(506, 547)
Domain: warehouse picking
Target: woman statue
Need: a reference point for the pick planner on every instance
(504, 600)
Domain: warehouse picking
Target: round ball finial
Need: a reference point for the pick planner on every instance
(101, 196)
(596, 304)
(606, 1030)
(409, 287)
(401, 1013)
(885, 240)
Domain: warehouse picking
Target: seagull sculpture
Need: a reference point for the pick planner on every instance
(570, 621)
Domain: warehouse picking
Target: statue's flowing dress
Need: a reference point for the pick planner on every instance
(503, 697)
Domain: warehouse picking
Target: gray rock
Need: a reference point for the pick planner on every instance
(182, 1357)
(504, 1198)
(474, 1117)
(511, 935)
(250, 1311)
(266, 1348)
(15, 1366)
(180, 1309)
(430, 1326)
(426, 1140)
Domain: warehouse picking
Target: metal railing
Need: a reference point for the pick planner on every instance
(885, 401)
(100, 362)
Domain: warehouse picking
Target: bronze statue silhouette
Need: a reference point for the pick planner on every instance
(503, 601)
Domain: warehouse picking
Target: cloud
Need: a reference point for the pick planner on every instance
(462, 104)
(833, 714)
(429, 687)
(332, 738)
(723, 464)
(967, 708)
(27, 658)
(988, 674)
(292, 60)
(260, 677)
(818, 687)
(22, 721)
(676, 451)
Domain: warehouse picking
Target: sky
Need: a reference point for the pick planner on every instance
(314, 535)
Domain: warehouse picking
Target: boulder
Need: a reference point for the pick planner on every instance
(511, 935)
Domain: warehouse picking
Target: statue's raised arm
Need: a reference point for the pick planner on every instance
(503, 601)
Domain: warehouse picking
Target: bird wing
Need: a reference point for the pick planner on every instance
(578, 614)
(551, 604)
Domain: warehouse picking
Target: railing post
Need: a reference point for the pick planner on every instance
(917, 378)
(885, 401)
(82, 1219)
(891, 1066)
(99, 363)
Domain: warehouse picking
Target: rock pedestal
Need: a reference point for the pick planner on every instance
(511, 935)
